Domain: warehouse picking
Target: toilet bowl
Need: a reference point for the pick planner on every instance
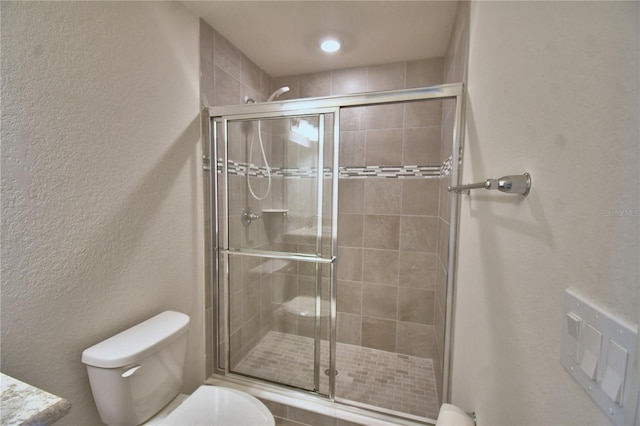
(214, 405)
(136, 375)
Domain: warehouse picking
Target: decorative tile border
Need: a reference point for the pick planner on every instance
(391, 172)
(445, 169)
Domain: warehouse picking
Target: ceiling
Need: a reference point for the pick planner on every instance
(282, 37)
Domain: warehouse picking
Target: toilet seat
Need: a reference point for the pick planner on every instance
(215, 405)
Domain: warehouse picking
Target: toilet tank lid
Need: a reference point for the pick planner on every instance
(137, 342)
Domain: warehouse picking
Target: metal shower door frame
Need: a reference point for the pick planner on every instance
(299, 106)
(317, 259)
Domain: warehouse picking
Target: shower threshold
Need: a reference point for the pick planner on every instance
(346, 411)
(383, 380)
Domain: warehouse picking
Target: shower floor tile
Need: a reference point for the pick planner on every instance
(383, 379)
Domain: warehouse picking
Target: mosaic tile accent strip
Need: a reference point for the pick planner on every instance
(383, 379)
(393, 172)
(446, 167)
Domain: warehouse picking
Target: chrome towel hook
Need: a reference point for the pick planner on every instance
(511, 184)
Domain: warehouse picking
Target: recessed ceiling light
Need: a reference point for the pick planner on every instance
(330, 45)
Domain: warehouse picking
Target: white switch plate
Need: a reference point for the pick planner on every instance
(614, 331)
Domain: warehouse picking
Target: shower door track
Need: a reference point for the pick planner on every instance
(327, 104)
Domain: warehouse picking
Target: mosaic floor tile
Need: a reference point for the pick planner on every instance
(383, 379)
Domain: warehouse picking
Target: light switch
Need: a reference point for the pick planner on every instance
(574, 323)
(592, 343)
(607, 347)
(613, 380)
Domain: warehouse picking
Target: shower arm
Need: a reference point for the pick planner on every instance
(512, 184)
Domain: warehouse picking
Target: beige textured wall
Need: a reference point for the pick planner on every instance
(553, 90)
(101, 184)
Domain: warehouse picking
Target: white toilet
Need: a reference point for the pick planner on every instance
(136, 375)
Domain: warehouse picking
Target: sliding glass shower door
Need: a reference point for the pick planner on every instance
(277, 246)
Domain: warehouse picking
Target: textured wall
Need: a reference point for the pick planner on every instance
(101, 184)
(553, 90)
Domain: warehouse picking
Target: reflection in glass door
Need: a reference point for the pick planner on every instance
(277, 245)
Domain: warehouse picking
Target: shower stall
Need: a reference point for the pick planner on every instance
(325, 256)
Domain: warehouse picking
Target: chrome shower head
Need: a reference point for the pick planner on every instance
(278, 92)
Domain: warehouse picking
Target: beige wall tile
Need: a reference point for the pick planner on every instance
(382, 196)
(415, 305)
(351, 228)
(380, 266)
(265, 85)
(284, 287)
(420, 196)
(441, 286)
(386, 77)
(227, 88)
(379, 334)
(418, 270)
(250, 300)
(425, 72)
(380, 301)
(317, 84)
(423, 114)
(416, 340)
(421, 146)
(349, 328)
(250, 74)
(443, 240)
(444, 197)
(350, 264)
(419, 233)
(351, 195)
(382, 231)
(349, 298)
(226, 55)
(383, 147)
(385, 116)
(351, 80)
(353, 118)
(235, 311)
(352, 148)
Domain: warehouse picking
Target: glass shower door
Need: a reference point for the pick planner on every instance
(276, 245)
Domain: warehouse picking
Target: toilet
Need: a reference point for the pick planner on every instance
(136, 376)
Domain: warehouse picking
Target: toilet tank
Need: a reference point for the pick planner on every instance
(138, 371)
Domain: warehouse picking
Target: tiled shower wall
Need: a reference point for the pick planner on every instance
(227, 76)
(392, 242)
(389, 227)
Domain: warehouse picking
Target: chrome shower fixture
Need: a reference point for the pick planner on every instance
(247, 100)
(278, 92)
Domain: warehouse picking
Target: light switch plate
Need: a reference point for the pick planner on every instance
(615, 340)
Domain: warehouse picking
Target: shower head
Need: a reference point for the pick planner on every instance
(278, 92)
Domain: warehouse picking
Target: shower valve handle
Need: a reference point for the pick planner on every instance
(248, 216)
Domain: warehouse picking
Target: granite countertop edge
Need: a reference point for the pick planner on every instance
(23, 404)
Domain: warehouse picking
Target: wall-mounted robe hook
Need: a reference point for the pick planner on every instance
(512, 184)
